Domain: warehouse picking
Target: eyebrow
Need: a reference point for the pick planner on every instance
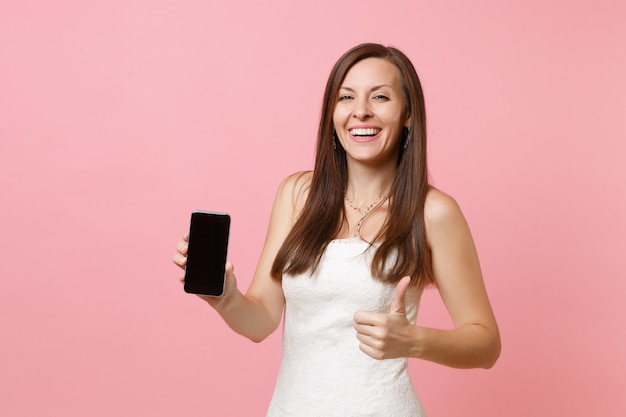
(376, 87)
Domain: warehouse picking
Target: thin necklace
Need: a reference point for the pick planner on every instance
(364, 213)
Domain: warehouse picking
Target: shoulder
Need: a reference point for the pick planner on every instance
(442, 214)
(294, 190)
(439, 206)
(290, 197)
(297, 181)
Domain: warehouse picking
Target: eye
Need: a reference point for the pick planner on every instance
(381, 97)
(344, 97)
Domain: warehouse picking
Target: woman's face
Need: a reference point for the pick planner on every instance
(370, 114)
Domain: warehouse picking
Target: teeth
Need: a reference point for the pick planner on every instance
(364, 131)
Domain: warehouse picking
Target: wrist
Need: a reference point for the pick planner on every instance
(419, 337)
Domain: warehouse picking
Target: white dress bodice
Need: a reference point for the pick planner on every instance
(323, 372)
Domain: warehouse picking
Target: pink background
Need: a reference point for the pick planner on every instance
(119, 117)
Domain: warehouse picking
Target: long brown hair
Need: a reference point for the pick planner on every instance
(324, 210)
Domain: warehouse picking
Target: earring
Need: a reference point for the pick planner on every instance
(407, 138)
(334, 137)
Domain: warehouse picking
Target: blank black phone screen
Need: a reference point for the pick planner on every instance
(206, 254)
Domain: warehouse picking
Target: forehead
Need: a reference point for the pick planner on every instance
(372, 71)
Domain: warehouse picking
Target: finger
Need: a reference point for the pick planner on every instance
(364, 330)
(179, 260)
(182, 247)
(398, 305)
(186, 237)
(367, 318)
(367, 340)
(371, 351)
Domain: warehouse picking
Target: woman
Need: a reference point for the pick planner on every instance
(350, 247)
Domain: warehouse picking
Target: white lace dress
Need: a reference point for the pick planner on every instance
(323, 372)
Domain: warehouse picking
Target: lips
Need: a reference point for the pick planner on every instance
(364, 134)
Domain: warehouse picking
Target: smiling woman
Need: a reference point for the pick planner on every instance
(350, 248)
(370, 117)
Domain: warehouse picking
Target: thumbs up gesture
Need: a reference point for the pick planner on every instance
(387, 335)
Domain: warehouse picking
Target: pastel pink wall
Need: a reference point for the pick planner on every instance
(117, 118)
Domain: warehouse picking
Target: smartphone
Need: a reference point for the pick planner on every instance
(206, 253)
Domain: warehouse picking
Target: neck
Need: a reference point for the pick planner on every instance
(366, 184)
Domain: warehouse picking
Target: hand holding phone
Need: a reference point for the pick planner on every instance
(206, 253)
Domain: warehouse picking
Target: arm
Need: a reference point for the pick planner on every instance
(474, 342)
(257, 313)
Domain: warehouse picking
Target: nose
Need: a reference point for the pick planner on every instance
(362, 109)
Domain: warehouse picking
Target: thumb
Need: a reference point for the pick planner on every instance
(229, 277)
(229, 273)
(398, 305)
(229, 268)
